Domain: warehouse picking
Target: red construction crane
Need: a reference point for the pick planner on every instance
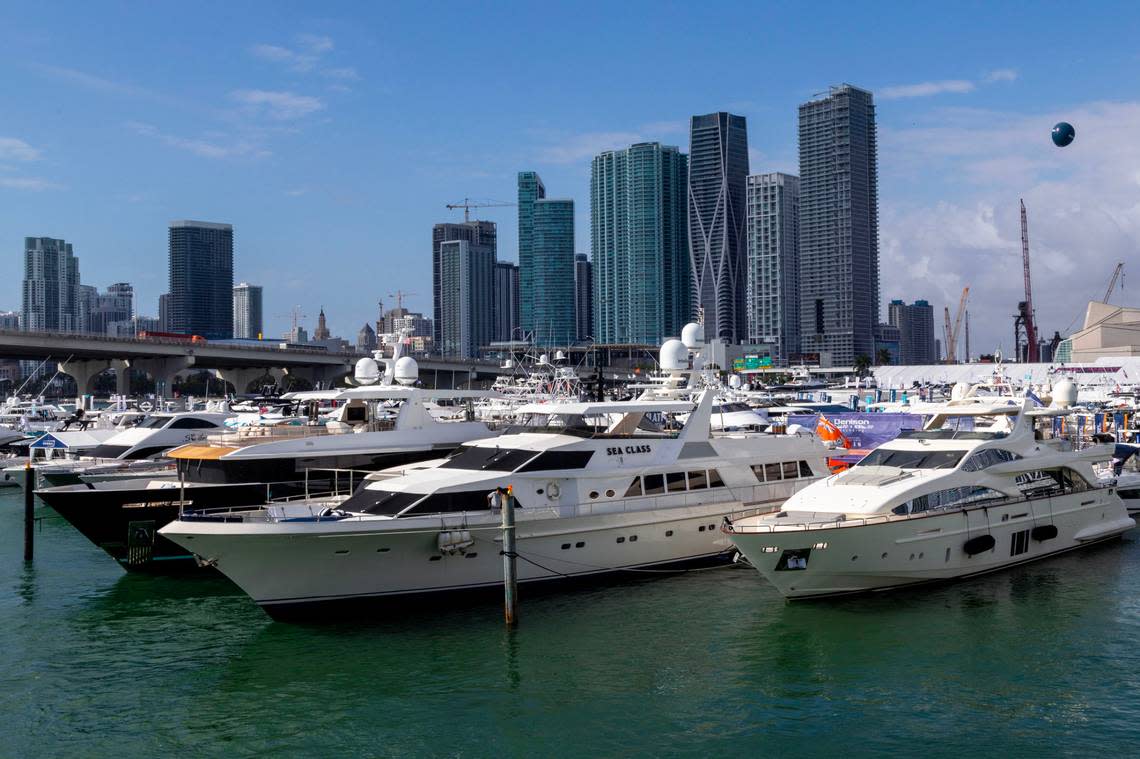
(1024, 328)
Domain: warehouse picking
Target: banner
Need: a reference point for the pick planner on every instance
(865, 431)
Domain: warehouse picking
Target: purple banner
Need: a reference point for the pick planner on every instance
(865, 431)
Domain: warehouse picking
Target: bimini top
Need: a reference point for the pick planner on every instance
(611, 407)
(400, 392)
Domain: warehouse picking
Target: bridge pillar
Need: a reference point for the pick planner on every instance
(162, 370)
(122, 377)
(240, 377)
(83, 371)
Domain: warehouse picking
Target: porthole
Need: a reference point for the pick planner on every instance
(884, 555)
(911, 557)
(701, 528)
(856, 556)
(383, 550)
(609, 494)
(668, 533)
(342, 551)
(632, 538)
(947, 553)
(712, 527)
(593, 494)
(920, 554)
(580, 544)
(540, 491)
(621, 540)
(471, 555)
(565, 546)
(434, 558)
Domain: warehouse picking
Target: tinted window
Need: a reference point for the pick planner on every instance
(790, 470)
(634, 488)
(559, 460)
(805, 470)
(474, 500)
(675, 481)
(987, 458)
(912, 459)
(772, 472)
(381, 502)
(943, 499)
(484, 458)
(714, 479)
(758, 470)
(698, 480)
(654, 484)
(191, 423)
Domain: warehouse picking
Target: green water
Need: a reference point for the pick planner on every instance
(98, 663)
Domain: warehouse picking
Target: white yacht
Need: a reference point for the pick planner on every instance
(593, 499)
(937, 504)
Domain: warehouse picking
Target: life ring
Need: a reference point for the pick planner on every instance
(552, 491)
(146, 406)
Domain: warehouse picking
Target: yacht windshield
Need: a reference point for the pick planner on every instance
(912, 459)
(482, 458)
(155, 422)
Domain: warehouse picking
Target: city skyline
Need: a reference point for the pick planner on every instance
(291, 146)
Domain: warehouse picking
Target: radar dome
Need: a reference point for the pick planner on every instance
(692, 335)
(407, 371)
(734, 381)
(544, 358)
(367, 371)
(674, 356)
(559, 356)
(1064, 394)
(958, 392)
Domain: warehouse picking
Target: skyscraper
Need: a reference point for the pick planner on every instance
(583, 297)
(546, 281)
(839, 225)
(639, 237)
(530, 188)
(506, 300)
(247, 311)
(201, 279)
(164, 312)
(916, 331)
(772, 289)
(718, 171)
(467, 297)
(479, 233)
(111, 312)
(51, 286)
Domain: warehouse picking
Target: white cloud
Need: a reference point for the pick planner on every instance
(28, 183)
(12, 149)
(583, 147)
(204, 148)
(1002, 75)
(305, 56)
(282, 106)
(925, 89)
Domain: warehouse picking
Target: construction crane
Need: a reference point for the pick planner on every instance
(296, 316)
(1112, 283)
(468, 204)
(952, 334)
(1024, 326)
(399, 295)
(946, 336)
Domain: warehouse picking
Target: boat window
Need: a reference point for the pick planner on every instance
(758, 470)
(190, 423)
(654, 484)
(944, 499)
(698, 480)
(912, 459)
(1041, 483)
(380, 502)
(772, 472)
(805, 470)
(559, 460)
(1074, 482)
(154, 422)
(634, 488)
(987, 458)
(481, 458)
(790, 470)
(675, 481)
(714, 479)
(442, 503)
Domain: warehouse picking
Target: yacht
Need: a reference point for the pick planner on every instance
(595, 497)
(937, 504)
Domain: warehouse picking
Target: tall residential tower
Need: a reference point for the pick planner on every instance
(481, 234)
(201, 279)
(51, 286)
(772, 270)
(247, 311)
(546, 264)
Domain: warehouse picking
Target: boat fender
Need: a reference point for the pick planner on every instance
(980, 544)
(552, 491)
(1043, 532)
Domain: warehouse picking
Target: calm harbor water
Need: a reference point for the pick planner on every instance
(1043, 659)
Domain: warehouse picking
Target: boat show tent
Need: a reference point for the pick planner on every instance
(1102, 372)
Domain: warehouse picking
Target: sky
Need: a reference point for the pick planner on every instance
(332, 135)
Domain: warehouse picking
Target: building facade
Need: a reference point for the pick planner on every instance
(51, 286)
(772, 269)
(482, 234)
(915, 323)
(642, 281)
(467, 281)
(546, 288)
(506, 301)
(839, 225)
(108, 313)
(530, 190)
(718, 171)
(248, 311)
(201, 279)
(583, 297)
(164, 312)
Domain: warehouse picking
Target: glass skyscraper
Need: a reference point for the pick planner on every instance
(718, 171)
(583, 297)
(467, 292)
(247, 311)
(483, 234)
(772, 292)
(51, 286)
(201, 279)
(546, 284)
(839, 225)
(639, 238)
(506, 300)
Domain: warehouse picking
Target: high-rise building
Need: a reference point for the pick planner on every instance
(87, 296)
(102, 310)
(164, 312)
(366, 338)
(51, 286)
(839, 225)
(718, 172)
(322, 330)
(467, 297)
(530, 190)
(482, 234)
(772, 275)
(201, 279)
(546, 286)
(506, 301)
(642, 283)
(583, 297)
(247, 311)
(10, 320)
(916, 331)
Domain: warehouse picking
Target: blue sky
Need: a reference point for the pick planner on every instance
(333, 135)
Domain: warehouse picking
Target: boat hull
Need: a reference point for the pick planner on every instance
(890, 554)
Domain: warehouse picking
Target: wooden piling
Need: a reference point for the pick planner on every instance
(29, 511)
(510, 578)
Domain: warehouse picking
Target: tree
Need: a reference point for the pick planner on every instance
(862, 364)
(882, 356)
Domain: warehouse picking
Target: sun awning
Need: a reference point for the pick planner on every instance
(201, 452)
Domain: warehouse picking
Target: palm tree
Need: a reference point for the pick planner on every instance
(882, 357)
(862, 364)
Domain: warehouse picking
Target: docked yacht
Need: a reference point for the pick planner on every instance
(595, 497)
(937, 504)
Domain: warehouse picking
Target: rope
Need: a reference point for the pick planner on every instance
(517, 555)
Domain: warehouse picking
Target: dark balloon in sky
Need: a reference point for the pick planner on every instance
(1063, 134)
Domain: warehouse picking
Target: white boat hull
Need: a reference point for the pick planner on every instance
(887, 554)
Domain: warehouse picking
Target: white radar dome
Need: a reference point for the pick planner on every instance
(734, 381)
(544, 358)
(674, 356)
(407, 370)
(1064, 394)
(958, 392)
(692, 335)
(367, 371)
(559, 356)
